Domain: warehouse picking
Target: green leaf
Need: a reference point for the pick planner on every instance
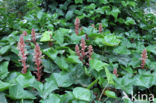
(69, 14)
(3, 98)
(109, 76)
(63, 79)
(152, 49)
(111, 40)
(49, 66)
(115, 11)
(39, 15)
(97, 64)
(78, 1)
(82, 94)
(4, 86)
(17, 92)
(52, 98)
(49, 86)
(108, 40)
(4, 69)
(110, 94)
(59, 35)
(73, 59)
(122, 50)
(52, 53)
(103, 1)
(25, 80)
(4, 49)
(125, 83)
(61, 62)
(129, 21)
(46, 36)
(145, 79)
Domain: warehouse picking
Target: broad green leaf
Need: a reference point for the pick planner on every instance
(145, 79)
(4, 86)
(82, 94)
(78, 1)
(25, 80)
(103, 1)
(17, 92)
(122, 50)
(69, 14)
(49, 66)
(125, 83)
(111, 40)
(39, 14)
(63, 79)
(97, 64)
(73, 59)
(4, 69)
(62, 63)
(49, 86)
(46, 36)
(2, 98)
(59, 35)
(52, 53)
(152, 49)
(115, 11)
(109, 76)
(110, 94)
(129, 21)
(4, 49)
(52, 98)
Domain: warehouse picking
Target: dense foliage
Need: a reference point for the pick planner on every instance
(77, 51)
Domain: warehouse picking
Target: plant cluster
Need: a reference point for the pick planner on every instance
(79, 51)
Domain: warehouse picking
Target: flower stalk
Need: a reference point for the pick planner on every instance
(84, 55)
(33, 35)
(143, 58)
(22, 54)
(38, 61)
(100, 27)
(77, 24)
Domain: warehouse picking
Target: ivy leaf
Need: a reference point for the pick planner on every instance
(61, 62)
(62, 79)
(97, 64)
(122, 50)
(4, 86)
(69, 14)
(25, 80)
(111, 40)
(49, 86)
(46, 36)
(4, 49)
(59, 35)
(4, 69)
(78, 1)
(152, 49)
(2, 98)
(73, 59)
(125, 83)
(17, 92)
(82, 94)
(52, 98)
(115, 11)
(145, 79)
(129, 21)
(110, 94)
(109, 76)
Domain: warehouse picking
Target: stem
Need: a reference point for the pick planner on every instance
(102, 92)
(92, 84)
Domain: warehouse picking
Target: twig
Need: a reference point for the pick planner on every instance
(102, 92)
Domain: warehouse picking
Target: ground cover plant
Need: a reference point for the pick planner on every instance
(77, 51)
